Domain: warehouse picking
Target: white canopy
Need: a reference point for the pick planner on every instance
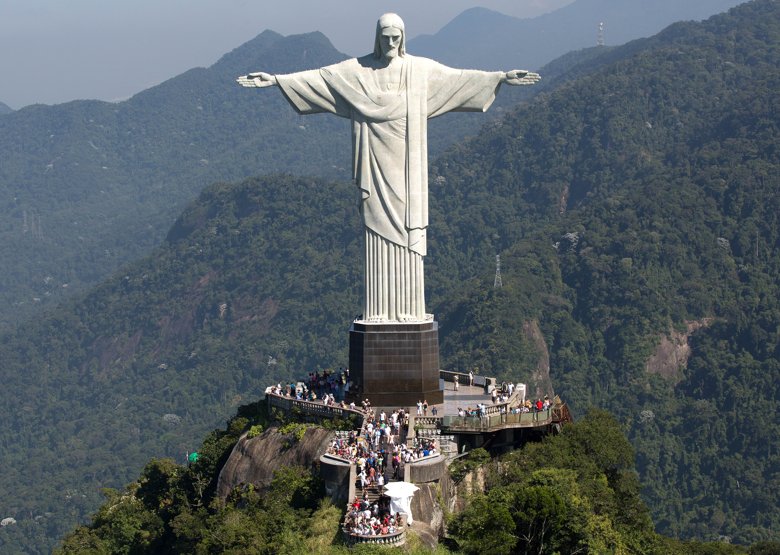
(400, 494)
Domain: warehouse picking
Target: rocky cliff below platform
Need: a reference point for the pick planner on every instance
(254, 460)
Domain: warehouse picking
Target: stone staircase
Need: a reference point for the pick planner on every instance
(373, 494)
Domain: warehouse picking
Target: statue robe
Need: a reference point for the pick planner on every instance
(390, 160)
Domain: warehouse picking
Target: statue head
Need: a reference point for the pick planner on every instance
(390, 37)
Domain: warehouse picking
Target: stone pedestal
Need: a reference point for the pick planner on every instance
(395, 364)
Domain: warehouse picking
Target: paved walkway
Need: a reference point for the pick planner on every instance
(465, 397)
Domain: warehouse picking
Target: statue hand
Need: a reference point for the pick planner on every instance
(521, 77)
(257, 80)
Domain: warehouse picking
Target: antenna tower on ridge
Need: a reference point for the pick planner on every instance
(600, 39)
(497, 282)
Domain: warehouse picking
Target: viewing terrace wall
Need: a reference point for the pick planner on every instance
(496, 417)
(313, 408)
(492, 421)
(390, 540)
(496, 421)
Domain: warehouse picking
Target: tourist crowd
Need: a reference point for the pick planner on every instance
(328, 386)
(334, 384)
(365, 519)
(536, 406)
(527, 406)
(380, 447)
(478, 411)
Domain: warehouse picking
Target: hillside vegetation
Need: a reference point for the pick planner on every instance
(246, 290)
(574, 492)
(635, 203)
(88, 186)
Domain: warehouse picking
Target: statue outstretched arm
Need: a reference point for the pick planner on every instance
(521, 77)
(257, 80)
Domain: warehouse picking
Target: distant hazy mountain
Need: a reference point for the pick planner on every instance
(5, 109)
(485, 39)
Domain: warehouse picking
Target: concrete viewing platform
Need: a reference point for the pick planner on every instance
(466, 396)
(481, 414)
(467, 418)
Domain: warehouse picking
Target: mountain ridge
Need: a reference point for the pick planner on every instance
(502, 41)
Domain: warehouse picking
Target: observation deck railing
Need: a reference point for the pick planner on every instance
(495, 421)
(315, 408)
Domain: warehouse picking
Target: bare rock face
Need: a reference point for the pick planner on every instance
(540, 383)
(254, 461)
(673, 351)
(428, 536)
(473, 482)
(426, 510)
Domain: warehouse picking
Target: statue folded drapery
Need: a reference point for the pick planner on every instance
(389, 96)
(389, 132)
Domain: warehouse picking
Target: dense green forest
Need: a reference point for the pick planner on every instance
(148, 361)
(633, 203)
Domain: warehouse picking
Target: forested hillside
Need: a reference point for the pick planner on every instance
(574, 492)
(256, 282)
(5, 109)
(88, 186)
(637, 202)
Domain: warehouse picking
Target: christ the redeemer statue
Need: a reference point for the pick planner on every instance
(389, 96)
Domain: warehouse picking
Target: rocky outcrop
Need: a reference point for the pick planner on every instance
(540, 383)
(429, 536)
(673, 351)
(426, 504)
(254, 461)
(473, 482)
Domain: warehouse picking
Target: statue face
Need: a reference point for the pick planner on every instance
(390, 41)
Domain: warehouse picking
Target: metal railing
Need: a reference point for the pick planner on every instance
(495, 421)
(315, 408)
